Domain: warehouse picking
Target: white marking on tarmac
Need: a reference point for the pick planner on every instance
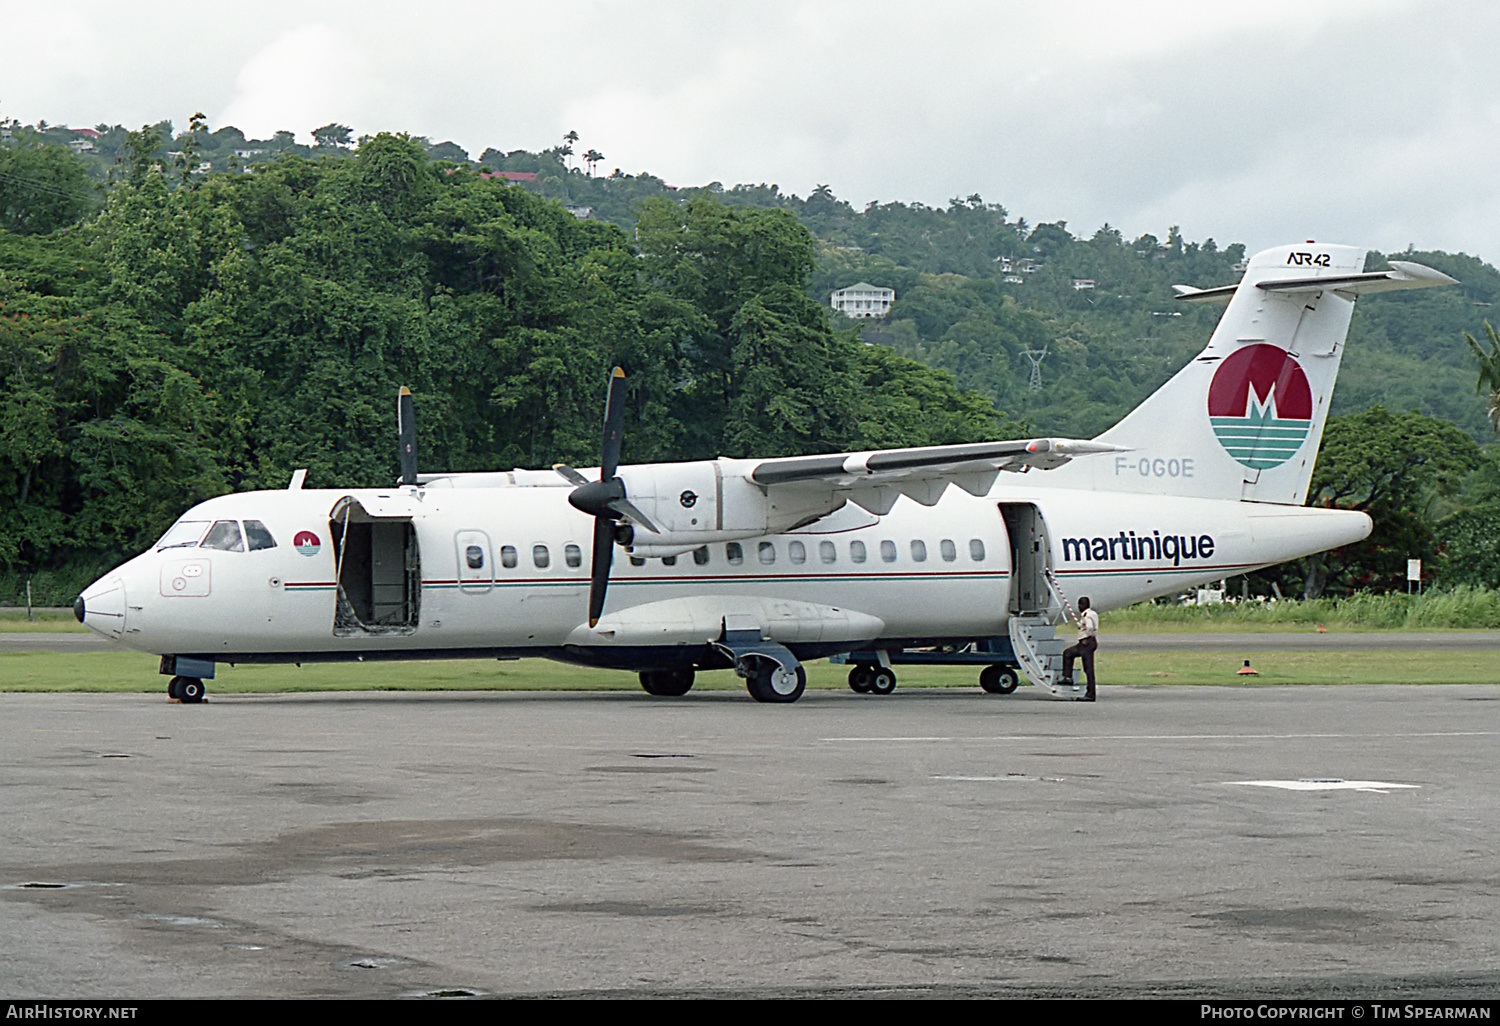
(1328, 784)
(1160, 737)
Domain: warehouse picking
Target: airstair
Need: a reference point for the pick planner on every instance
(1033, 635)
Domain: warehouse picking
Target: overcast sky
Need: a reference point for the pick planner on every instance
(1375, 122)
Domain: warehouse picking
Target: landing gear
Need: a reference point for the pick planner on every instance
(670, 683)
(872, 680)
(768, 681)
(188, 690)
(999, 680)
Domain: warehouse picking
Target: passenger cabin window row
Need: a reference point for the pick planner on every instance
(766, 553)
(510, 558)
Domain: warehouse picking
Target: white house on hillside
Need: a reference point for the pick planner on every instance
(863, 300)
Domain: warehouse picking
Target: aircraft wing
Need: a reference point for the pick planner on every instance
(936, 462)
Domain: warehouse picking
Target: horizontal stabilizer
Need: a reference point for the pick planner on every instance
(1222, 294)
(1403, 275)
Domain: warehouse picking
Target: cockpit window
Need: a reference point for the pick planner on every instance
(182, 534)
(258, 537)
(225, 535)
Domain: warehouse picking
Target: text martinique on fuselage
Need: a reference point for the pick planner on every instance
(1128, 545)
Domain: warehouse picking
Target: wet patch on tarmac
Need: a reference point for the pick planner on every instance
(1304, 925)
(648, 769)
(634, 908)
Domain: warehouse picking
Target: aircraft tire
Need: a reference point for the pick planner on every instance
(667, 683)
(768, 682)
(999, 680)
(190, 690)
(883, 681)
(860, 679)
(174, 688)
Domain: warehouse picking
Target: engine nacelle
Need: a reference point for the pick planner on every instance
(714, 500)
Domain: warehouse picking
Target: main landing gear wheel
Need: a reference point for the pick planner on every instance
(999, 680)
(860, 679)
(768, 681)
(188, 690)
(667, 683)
(883, 681)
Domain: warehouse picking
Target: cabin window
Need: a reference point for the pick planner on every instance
(700, 555)
(888, 551)
(797, 553)
(258, 537)
(828, 552)
(767, 553)
(976, 550)
(948, 549)
(919, 551)
(573, 555)
(734, 553)
(856, 552)
(474, 556)
(508, 557)
(224, 535)
(669, 561)
(540, 557)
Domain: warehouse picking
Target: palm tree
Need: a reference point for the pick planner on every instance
(591, 158)
(1489, 372)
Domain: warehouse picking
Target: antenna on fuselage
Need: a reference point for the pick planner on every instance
(406, 429)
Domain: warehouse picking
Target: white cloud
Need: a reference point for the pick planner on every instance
(1252, 121)
(306, 78)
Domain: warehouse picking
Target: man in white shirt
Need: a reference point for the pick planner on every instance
(1088, 642)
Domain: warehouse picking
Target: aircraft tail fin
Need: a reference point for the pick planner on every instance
(1243, 420)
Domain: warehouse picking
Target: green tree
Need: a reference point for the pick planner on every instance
(43, 187)
(1489, 373)
(1391, 466)
(332, 136)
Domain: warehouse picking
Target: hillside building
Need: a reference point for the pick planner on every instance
(863, 300)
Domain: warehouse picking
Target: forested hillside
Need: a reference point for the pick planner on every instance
(205, 334)
(177, 321)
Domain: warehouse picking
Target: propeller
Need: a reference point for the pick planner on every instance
(604, 499)
(406, 429)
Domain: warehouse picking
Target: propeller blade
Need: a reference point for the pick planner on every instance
(626, 508)
(614, 424)
(570, 475)
(603, 557)
(406, 430)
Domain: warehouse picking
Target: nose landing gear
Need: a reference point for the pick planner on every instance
(187, 690)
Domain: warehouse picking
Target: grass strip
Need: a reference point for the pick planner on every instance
(129, 672)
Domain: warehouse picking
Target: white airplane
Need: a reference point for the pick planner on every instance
(757, 565)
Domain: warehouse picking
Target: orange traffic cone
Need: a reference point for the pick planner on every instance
(1246, 669)
(1322, 629)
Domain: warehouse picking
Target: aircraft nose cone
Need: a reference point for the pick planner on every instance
(101, 607)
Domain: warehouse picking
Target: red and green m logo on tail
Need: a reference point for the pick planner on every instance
(1260, 406)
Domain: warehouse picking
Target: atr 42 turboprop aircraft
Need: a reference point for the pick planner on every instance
(757, 565)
